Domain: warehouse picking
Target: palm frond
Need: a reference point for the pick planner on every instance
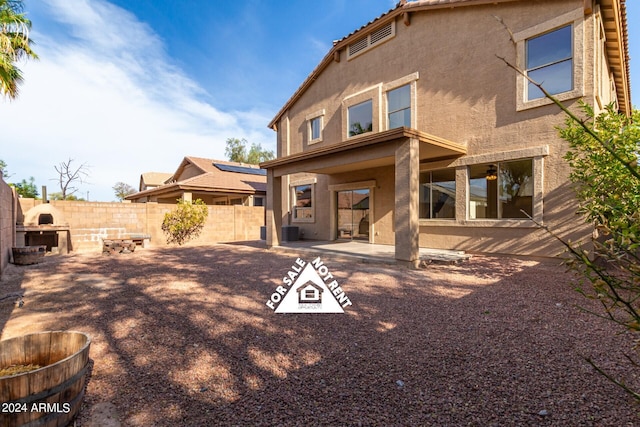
(15, 45)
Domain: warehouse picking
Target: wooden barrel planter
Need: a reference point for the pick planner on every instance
(28, 254)
(48, 396)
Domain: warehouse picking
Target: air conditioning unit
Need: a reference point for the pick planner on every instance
(290, 233)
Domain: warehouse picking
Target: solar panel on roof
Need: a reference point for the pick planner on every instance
(240, 169)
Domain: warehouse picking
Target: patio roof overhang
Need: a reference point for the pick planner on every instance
(176, 190)
(364, 152)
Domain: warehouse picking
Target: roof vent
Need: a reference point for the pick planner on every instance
(370, 41)
(358, 46)
(381, 34)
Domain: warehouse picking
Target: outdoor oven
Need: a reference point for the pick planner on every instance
(44, 225)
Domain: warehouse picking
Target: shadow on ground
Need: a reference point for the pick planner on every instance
(182, 336)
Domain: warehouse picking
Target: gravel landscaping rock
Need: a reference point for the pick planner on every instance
(183, 337)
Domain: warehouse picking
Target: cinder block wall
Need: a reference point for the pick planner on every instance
(7, 223)
(90, 222)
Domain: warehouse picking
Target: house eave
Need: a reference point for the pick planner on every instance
(439, 147)
(419, 5)
(329, 57)
(164, 189)
(176, 188)
(614, 19)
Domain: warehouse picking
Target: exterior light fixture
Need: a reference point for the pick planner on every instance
(492, 173)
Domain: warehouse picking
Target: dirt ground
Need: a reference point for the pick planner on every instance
(183, 337)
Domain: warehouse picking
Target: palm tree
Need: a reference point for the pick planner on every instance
(14, 45)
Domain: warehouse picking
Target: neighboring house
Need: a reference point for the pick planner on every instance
(216, 182)
(416, 113)
(149, 180)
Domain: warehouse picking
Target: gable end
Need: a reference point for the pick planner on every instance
(372, 40)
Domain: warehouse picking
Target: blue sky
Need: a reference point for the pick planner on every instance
(131, 86)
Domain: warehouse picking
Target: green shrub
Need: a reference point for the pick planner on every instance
(185, 222)
(603, 159)
(603, 156)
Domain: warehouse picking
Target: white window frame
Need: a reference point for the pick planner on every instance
(574, 18)
(309, 119)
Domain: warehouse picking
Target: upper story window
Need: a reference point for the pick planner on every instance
(315, 123)
(549, 61)
(399, 107)
(552, 53)
(384, 106)
(360, 118)
(315, 127)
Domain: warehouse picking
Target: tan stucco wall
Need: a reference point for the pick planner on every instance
(460, 79)
(189, 171)
(7, 223)
(90, 222)
(465, 94)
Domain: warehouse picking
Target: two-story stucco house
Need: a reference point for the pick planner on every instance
(412, 132)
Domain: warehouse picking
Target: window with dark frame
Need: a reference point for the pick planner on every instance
(315, 127)
(438, 194)
(303, 199)
(501, 190)
(360, 118)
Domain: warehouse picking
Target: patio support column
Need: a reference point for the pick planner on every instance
(407, 179)
(274, 209)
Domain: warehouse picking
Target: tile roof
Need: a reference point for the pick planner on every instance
(211, 179)
(206, 165)
(398, 6)
(227, 181)
(447, 3)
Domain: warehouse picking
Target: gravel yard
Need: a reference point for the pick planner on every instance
(183, 337)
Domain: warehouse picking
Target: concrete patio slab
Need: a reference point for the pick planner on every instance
(368, 252)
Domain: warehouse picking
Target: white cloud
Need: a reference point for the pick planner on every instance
(110, 97)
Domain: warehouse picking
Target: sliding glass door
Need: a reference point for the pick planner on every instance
(353, 214)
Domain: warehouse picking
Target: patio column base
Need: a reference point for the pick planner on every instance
(274, 209)
(413, 265)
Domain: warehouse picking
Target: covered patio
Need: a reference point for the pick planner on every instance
(403, 149)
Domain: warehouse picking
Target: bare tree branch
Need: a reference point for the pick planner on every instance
(500, 20)
(68, 176)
